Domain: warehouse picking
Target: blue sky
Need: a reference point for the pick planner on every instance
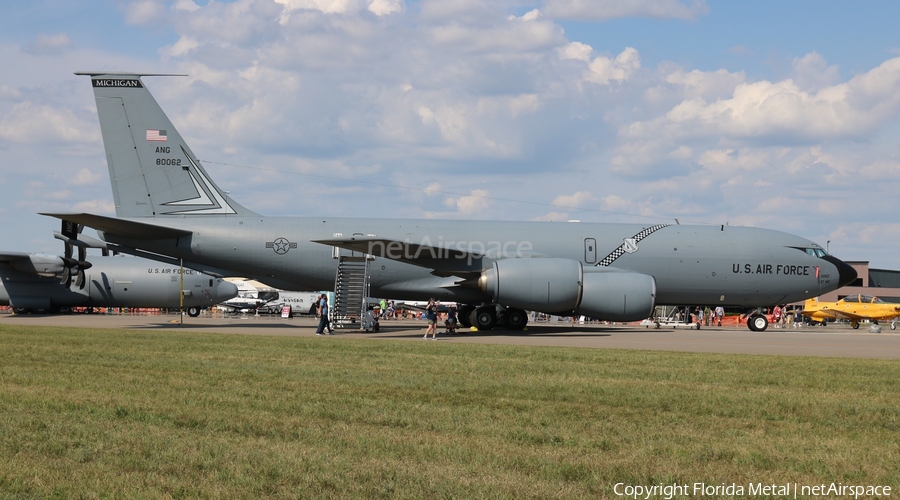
(760, 38)
(775, 114)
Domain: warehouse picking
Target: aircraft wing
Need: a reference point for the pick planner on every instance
(13, 256)
(40, 264)
(238, 307)
(122, 227)
(398, 250)
(826, 313)
(885, 314)
(443, 260)
(849, 315)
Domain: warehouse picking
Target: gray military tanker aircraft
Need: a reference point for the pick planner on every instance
(41, 283)
(168, 207)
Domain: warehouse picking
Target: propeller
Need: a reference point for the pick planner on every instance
(70, 264)
(82, 265)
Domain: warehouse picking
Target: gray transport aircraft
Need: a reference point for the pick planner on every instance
(42, 283)
(169, 208)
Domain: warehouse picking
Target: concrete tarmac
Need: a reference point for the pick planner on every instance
(832, 341)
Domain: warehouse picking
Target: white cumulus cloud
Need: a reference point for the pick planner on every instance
(602, 69)
(600, 10)
(574, 200)
(32, 123)
(49, 44)
(783, 112)
(473, 205)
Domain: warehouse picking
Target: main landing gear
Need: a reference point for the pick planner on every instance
(492, 315)
(757, 322)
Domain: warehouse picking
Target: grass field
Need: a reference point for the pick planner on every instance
(125, 414)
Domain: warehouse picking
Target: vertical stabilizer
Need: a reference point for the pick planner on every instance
(152, 171)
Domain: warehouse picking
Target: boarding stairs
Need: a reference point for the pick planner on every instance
(351, 287)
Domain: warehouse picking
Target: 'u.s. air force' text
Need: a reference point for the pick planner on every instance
(770, 269)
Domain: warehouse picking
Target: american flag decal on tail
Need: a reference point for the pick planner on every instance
(156, 135)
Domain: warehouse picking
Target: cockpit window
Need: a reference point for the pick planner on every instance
(864, 299)
(815, 252)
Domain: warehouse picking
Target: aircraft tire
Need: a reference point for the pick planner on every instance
(758, 323)
(485, 317)
(41, 310)
(193, 311)
(516, 319)
(20, 310)
(464, 316)
(855, 325)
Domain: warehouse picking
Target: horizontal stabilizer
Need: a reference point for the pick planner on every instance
(121, 74)
(82, 241)
(122, 227)
(197, 266)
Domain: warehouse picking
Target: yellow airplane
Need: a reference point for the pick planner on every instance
(854, 308)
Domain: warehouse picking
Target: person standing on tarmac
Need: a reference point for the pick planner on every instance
(323, 317)
(431, 317)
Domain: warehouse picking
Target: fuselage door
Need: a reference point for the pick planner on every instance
(338, 252)
(590, 250)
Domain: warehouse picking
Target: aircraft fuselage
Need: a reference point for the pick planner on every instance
(735, 266)
(115, 282)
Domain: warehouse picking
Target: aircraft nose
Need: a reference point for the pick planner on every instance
(226, 290)
(846, 274)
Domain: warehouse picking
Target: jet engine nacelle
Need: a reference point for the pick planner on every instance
(616, 295)
(563, 286)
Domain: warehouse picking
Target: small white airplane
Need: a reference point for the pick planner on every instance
(248, 298)
(251, 298)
